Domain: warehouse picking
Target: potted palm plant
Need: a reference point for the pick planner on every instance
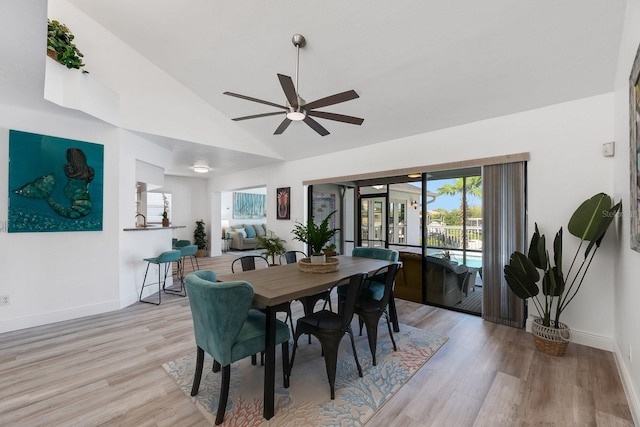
(272, 245)
(316, 236)
(200, 238)
(589, 223)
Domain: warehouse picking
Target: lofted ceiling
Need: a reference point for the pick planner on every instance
(417, 66)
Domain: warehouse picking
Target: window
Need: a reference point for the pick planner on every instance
(156, 205)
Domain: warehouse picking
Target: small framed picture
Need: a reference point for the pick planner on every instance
(283, 203)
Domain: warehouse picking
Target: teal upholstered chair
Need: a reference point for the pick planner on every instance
(227, 328)
(181, 243)
(374, 287)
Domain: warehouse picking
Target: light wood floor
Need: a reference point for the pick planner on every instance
(106, 370)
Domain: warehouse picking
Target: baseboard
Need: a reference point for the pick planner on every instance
(586, 338)
(57, 316)
(627, 385)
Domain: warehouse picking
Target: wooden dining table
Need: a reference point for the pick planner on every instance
(279, 284)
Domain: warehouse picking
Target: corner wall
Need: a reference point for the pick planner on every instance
(626, 291)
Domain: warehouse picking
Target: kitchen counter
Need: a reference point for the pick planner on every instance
(154, 227)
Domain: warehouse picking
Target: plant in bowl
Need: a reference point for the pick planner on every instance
(314, 235)
(589, 223)
(272, 245)
(60, 45)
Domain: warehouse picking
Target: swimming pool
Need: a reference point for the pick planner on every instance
(474, 259)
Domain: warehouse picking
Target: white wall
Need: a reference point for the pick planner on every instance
(626, 291)
(190, 203)
(56, 276)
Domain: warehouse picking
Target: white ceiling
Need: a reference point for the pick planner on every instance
(417, 65)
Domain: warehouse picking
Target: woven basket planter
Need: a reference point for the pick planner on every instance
(307, 266)
(552, 341)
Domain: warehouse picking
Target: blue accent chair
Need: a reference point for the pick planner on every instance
(228, 329)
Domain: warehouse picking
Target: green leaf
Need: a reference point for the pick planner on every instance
(586, 221)
(521, 275)
(553, 283)
(538, 249)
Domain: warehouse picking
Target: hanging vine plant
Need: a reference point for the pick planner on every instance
(60, 45)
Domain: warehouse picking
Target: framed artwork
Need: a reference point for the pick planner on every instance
(634, 156)
(55, 184)
(323, 204)
(249, 205)
(283, 203)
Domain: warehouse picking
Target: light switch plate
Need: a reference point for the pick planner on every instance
(608, 149)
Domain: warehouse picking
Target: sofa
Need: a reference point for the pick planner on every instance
(243, 236)
(446, 281)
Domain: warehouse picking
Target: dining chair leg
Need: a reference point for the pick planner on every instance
(224, 394)
(355, 353)
(216, 366)
(198, 374)
(395, 348)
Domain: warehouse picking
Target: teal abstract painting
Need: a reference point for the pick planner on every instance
(55, 184)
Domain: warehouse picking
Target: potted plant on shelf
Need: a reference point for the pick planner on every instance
(165, 213)
(199, 236)
(316, 236)
(589, 223)
(60, 46)
(272, 245)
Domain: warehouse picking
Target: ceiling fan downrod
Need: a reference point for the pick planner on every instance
(298, 41)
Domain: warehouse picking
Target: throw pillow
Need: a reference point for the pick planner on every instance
(251, 233)
(242, 231)
(259, 230)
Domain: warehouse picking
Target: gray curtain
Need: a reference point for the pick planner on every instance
(504, 227)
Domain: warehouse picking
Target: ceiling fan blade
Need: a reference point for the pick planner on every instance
(289, 90)
(248, 98)
(255, 116)
(316, 126)
(283, 126)
(337, 117)
(331, 100)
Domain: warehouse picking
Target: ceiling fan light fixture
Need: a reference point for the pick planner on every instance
(296, 116)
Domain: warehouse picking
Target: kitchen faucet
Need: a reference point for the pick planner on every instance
(144, 219)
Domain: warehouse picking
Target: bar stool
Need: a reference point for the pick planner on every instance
(165, 258)
(187, 251)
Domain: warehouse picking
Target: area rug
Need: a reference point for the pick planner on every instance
(307, 401)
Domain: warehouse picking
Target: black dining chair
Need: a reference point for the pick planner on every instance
(308, 302)
(370, 310)
(329, 328)
(250, 262)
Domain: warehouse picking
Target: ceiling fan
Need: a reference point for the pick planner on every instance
(299, 110)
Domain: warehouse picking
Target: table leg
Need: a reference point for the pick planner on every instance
(269, 363)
